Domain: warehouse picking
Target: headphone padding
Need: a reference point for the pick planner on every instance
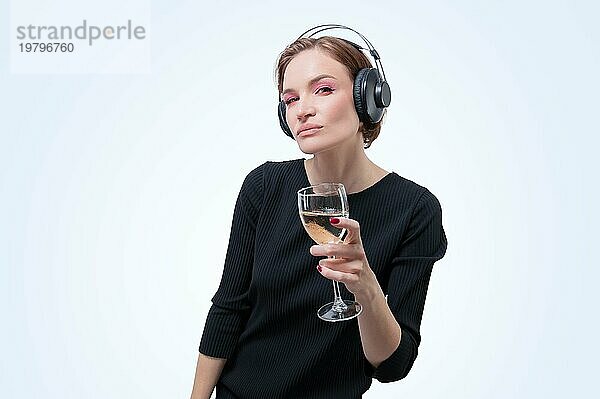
(282, 122)
(358, 93)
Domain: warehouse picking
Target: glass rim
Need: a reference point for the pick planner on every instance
(337, 185)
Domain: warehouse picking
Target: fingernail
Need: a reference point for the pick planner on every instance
(334, 220)
(319, 268)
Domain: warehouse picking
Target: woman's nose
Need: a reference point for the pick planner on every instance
(305, 108)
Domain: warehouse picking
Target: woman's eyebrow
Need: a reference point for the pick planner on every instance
(311, 82)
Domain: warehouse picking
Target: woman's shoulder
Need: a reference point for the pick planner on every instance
(404, 185)
(274, 171)
(285, 166)
(277, 166)
(407, 193)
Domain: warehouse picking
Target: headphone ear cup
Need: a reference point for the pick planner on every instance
(365, 101)
(358, 93)
(282, 121)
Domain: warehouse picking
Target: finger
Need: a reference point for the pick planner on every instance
(342, 265)
(351, 225)
(346, 251)
(342, 277)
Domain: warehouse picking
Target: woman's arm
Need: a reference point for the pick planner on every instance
(228, 314)
(379, 330)
(389, 329)
(208, 370)
(380, 333)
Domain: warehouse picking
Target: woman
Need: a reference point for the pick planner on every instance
(262, 338)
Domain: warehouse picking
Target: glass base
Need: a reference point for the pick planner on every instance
(328, 314)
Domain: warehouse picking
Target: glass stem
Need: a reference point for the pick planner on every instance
(338, 304)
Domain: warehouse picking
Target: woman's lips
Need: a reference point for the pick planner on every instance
(308, 132)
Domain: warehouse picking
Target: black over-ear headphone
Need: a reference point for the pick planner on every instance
(372, 93)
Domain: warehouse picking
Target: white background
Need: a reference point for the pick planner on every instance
(117, 192)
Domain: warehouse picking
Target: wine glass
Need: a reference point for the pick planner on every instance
(316, 205)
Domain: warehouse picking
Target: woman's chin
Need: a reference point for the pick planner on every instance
(316, 146)
(311, 148)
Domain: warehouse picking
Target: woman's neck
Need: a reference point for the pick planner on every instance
(352, 168)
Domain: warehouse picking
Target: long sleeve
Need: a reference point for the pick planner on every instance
(423, 243)
(230, 306)
(263, 315)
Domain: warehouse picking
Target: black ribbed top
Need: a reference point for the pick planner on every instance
(264, 314)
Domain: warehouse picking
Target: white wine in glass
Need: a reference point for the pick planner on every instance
(318, 227)
(316, 205)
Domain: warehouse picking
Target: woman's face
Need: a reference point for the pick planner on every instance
(317, 91)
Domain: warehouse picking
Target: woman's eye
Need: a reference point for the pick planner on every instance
(325, 89)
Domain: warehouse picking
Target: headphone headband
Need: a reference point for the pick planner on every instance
(372, 50)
